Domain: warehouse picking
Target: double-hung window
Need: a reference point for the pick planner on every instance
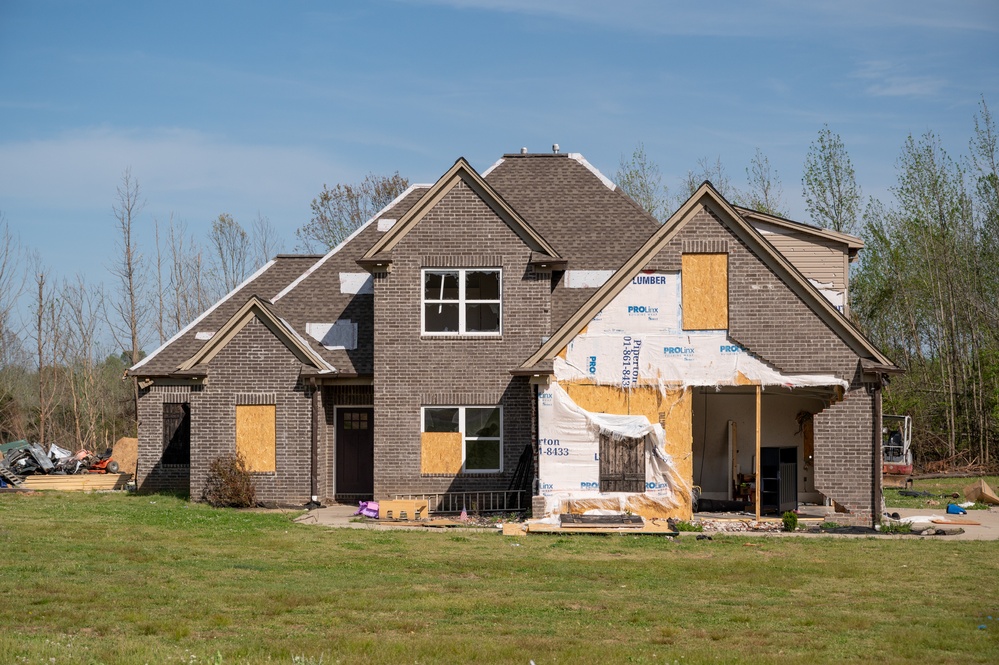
(481, 431)
(462, 301)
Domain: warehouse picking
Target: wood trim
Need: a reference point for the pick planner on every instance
(759, 444)
(254, 307)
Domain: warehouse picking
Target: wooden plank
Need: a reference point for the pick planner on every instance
(733, 451)
(704, 286)
(255, 436)
(759, 444)
(407, 509)
(83, 482)
(440, 452)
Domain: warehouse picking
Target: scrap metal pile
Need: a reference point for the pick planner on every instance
(19, 459)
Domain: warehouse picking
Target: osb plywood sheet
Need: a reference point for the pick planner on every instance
(704, 286)
(255, 436)
(126, 453)
(440, 452)
(673, 411)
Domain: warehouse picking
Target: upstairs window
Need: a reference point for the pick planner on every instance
(462, 302)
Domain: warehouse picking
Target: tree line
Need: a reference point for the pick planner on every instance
(65, 343)
(926, 287)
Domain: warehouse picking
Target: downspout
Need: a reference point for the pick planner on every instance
(314, 476)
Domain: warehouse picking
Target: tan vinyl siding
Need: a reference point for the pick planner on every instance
(820, 259)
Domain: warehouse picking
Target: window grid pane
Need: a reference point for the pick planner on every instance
(464, 301)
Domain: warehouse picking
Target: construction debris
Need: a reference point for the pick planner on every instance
(23, 464)
(980, 491)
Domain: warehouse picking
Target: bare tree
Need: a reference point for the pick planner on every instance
(713, 173)
(84, 307)
(338, 212)
(765, 193)
(265, 240)
(231, 253)
(129, 324)
(47, 314)
(829, 185)
(642, 180)
(12, 279)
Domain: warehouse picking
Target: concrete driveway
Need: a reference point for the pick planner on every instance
(987, 529)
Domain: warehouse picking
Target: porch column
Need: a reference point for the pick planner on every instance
(756, 468)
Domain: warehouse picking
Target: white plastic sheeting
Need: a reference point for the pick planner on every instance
(569, 452)
(586, 279)
(637, 339)
(834, 296)
(339, 335)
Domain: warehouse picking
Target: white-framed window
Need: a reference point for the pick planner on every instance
(481, 429)
(462, 301)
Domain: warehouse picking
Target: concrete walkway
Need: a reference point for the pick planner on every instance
(339, 516)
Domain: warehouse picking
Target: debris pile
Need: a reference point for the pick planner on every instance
(20, 459)
(739, 526)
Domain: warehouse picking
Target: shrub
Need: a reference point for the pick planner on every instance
(689, 526)
(896, 527)
(790, 519)
(229, 484)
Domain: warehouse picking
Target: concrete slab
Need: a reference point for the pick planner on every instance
(988, 530)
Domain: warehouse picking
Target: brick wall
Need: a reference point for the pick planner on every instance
(846, 462)
(151, 474)
(411, 370)
(255, 367)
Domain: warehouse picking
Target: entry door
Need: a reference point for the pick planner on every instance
(355, 451)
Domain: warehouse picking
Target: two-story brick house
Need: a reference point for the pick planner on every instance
(420, 356)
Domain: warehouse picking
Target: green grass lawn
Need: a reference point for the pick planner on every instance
(941, 488)
(130, 579)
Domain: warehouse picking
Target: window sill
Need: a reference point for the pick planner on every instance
(463, 474)
(452, 337)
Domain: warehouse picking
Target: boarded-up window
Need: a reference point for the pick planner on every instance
(461, 438)
(255, 436)
(704, 282)
(176, 433)
(622, 464)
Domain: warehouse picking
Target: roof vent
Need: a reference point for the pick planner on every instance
(555, 148)
(523, 150)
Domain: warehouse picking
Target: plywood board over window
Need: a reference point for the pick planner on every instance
(704, 284)
(440, 452)
(256, 436)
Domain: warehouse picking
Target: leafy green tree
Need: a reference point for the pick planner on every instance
(829, 185)
(338, 212)
(641, 179)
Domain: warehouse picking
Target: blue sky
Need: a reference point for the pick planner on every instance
(249, 107)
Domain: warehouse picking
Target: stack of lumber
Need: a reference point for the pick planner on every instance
(81, 482)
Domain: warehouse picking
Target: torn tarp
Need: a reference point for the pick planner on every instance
(569, 456)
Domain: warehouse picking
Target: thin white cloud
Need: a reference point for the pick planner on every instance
(737, 18)
(81, 168)
(886, 79)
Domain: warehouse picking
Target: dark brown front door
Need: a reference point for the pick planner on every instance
(355, 451)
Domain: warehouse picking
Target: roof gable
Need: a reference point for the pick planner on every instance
(707, 197)
(460, 172)
(255, 307)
